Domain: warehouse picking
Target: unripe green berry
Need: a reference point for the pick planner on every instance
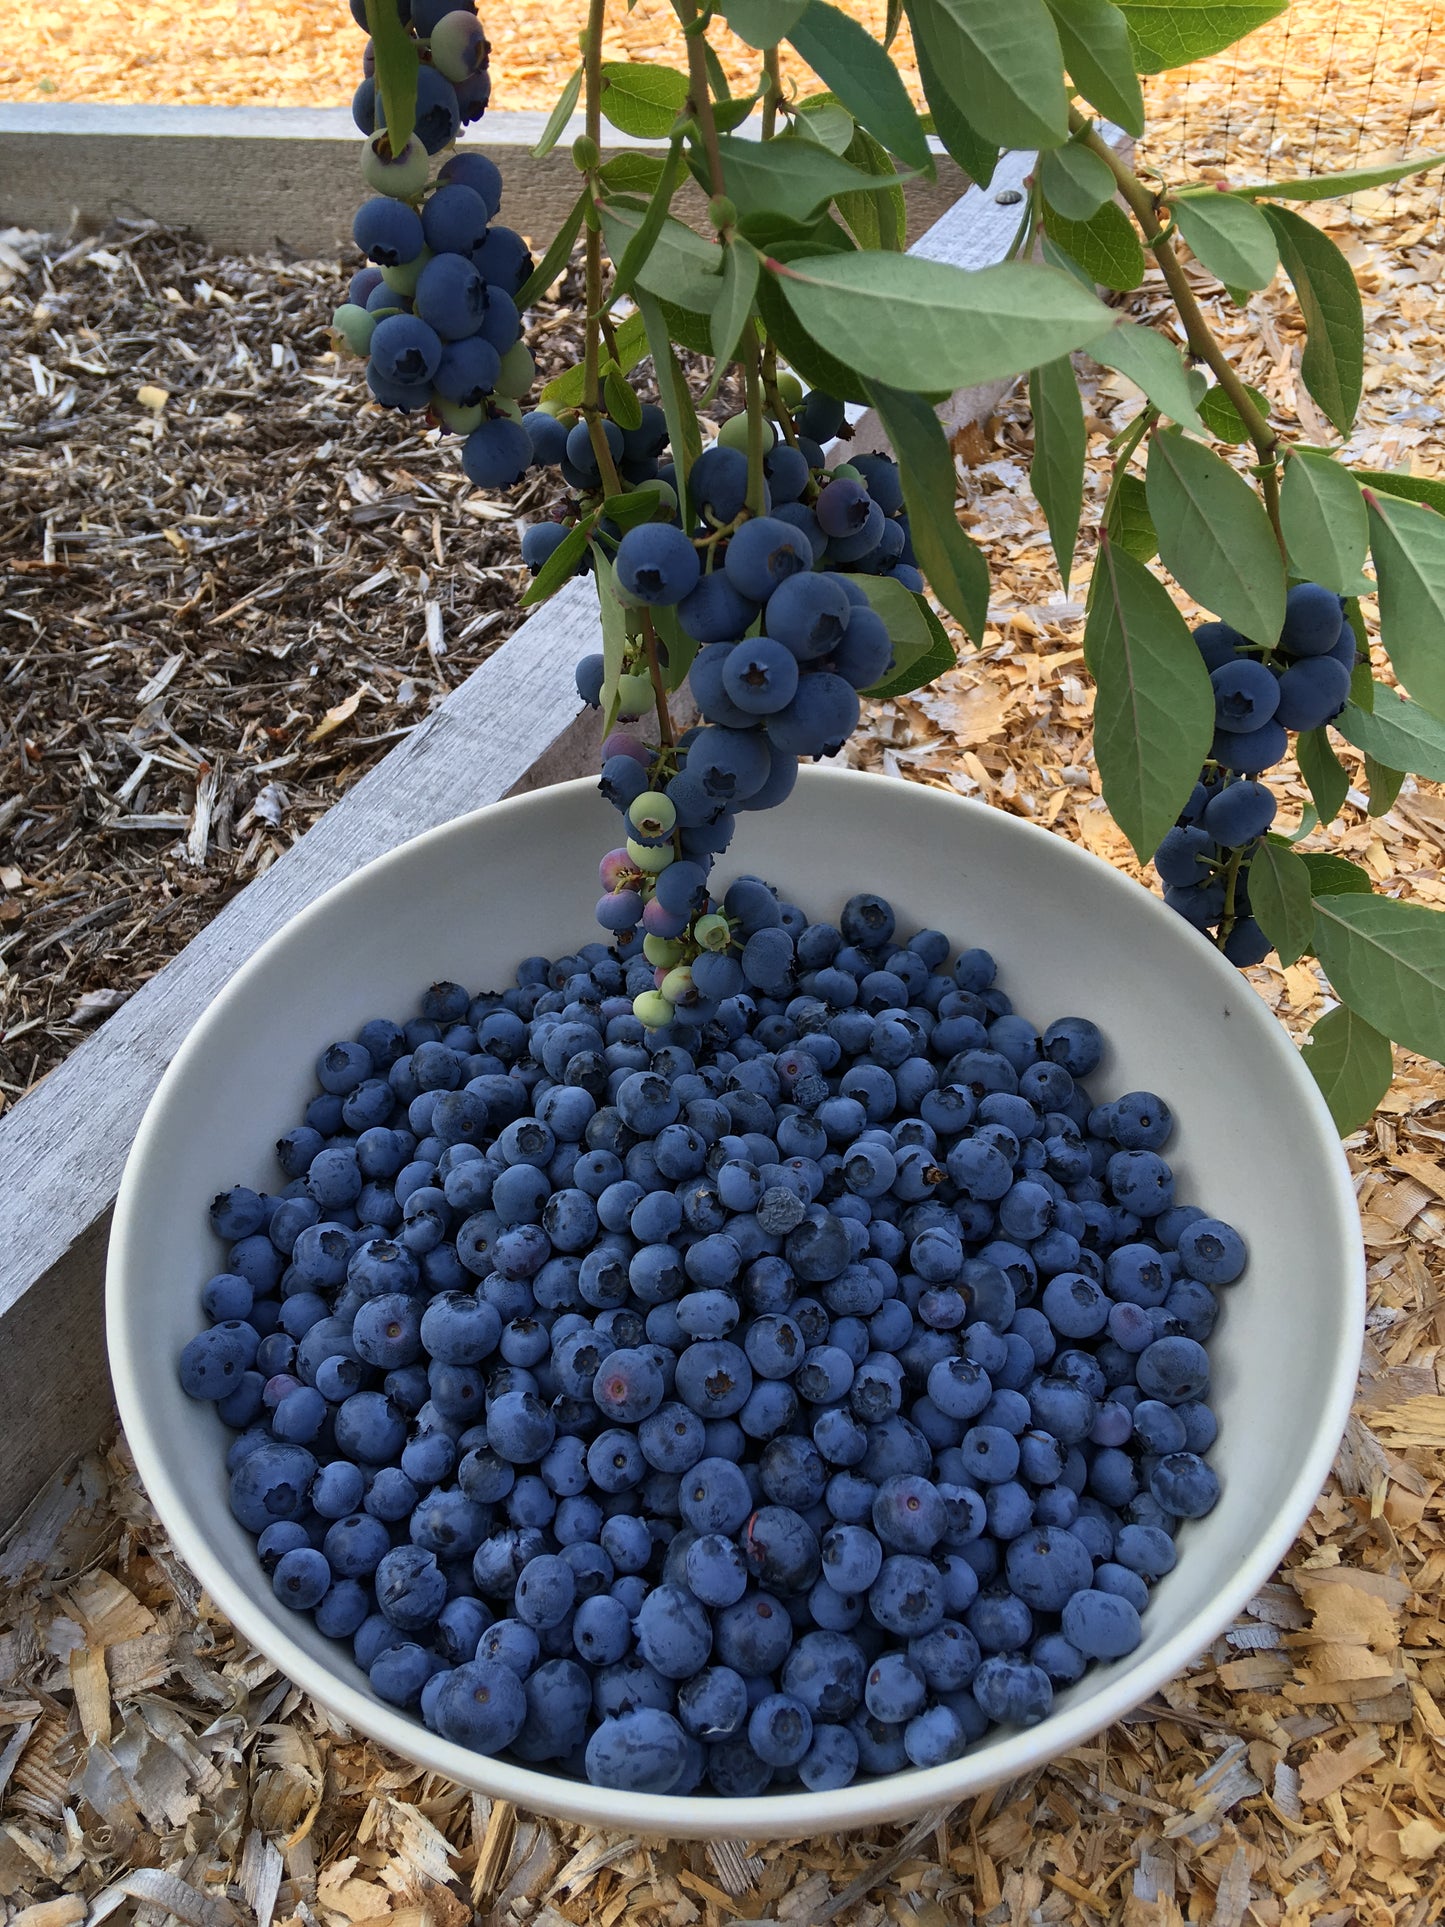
(458, 46)
(403, 280)
(518, 371)
(721, 212)
(652, 814)
(585, 153)
(634, 695)
(651, 1008)
(713, 932)
(402, 176)
(651, 857)
(504, 405)
(677, 984)
(460, 419)
(790, 388)
(845, 471)
(661, 952)
(666, 509)
(353, 327)
(734, 433)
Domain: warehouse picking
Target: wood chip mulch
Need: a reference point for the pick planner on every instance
(230, 585)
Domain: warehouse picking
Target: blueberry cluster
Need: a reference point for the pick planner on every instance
(1261, 693)
(753, 1405)
(433, 314)
(786, 638)
(861, 527)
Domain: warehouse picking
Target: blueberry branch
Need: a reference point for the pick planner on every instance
(752, 374)
(699, 99)
(1202, 344)
(592, 374)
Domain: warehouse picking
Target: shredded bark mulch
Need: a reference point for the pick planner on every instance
(228, 585)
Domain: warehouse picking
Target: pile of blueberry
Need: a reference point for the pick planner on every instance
(433, 314)
(1261, 693)
(735, 1404)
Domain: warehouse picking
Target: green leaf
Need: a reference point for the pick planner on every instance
(938, 49)
(1352, 1064)
(1100, 59)
(927, 326)
(1010, 82)
(1323, 517)
(1279, 895)
(1410, 488)
(1154, 710)
(956, 571)
(1106, 246)
(683, 431)
(1334, 876)
(849, 61)
(730, 114)
(1330, 187)
(1398, 734)
(1075, 180)
(1386, 960)
(397, 61)
(560, 115)
(1223, 419)
(1407, 540)
(763, 23)
(637, 506)
(1154, 364)
(795, 343)
(791, 176)
(1215, 537)
(1056, 258)
(1056, 473)
(621, 402)
(878, 220)
(680, 267)
(642, 98)
(823, 118)
(678, 648)
(1382, 785)
(561, 563)
(741, 268)
(1362, 685)
(1333, 366)
(921, 648)
(1129, 525)
(1232, 238)
(1323, 771)
(717, 78)
(557, 256)
(632, 172)
(614, 634)
(1175, 33)
(567, 389)
(644, 239)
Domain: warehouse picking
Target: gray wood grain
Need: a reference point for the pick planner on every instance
(253, 178)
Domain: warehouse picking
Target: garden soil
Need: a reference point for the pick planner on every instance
(171, 424)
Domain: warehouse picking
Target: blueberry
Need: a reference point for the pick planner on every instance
(1101, 1624)
(482, 1705)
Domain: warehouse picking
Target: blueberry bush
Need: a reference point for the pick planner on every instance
(746, 1353)
(780, 579)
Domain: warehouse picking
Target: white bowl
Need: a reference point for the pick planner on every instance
(1071, 935)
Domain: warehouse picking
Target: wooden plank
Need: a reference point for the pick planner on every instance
(248, 178)
(514, 724)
